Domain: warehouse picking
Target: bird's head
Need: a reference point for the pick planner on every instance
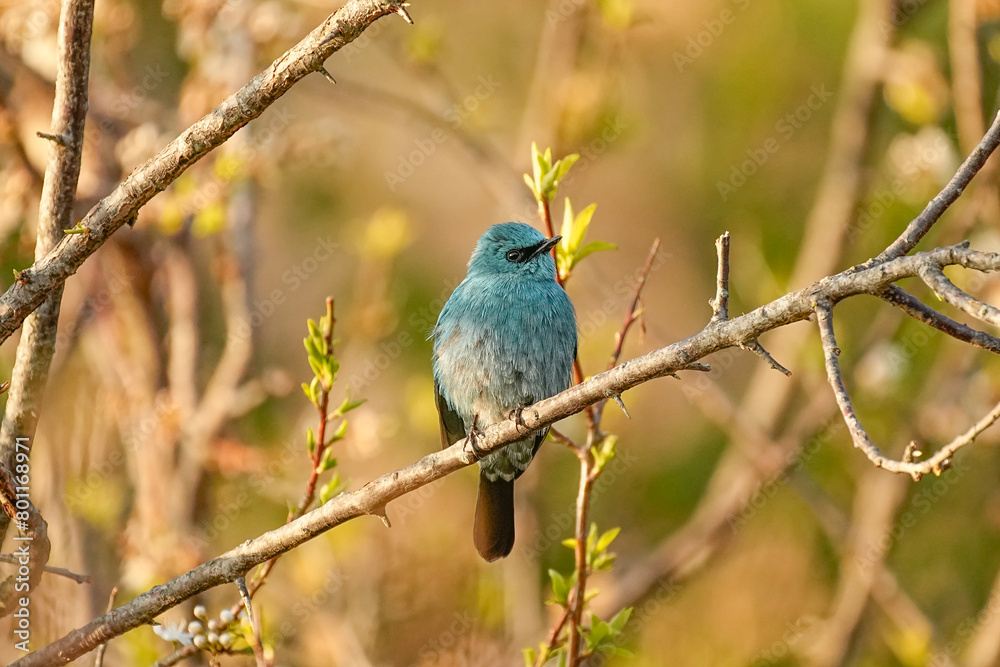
(514, 248)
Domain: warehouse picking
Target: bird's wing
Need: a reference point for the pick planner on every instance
(452, 427)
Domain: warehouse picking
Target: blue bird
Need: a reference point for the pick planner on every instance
(505, 339)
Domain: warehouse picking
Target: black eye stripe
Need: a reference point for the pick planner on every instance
(522, 255)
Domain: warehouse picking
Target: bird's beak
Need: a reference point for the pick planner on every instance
(544, 246)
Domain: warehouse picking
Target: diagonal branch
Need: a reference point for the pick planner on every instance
(922, 224)
(950, 293)
(373, 497)
(152, 177)
(919, 311)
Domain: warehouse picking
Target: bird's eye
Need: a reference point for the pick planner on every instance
(513, 255)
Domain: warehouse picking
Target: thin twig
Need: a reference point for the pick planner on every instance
(38, 342)
(919, 311)
(720, 304)
(633, 314)
(578, 596)
(60, 571)
(936, 464)
(950, 293)
(758, 349)
(99, 654)
(922, 224)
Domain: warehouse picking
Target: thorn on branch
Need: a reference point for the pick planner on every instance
(720, 304)
(4, 387)
(60, 139)
(380, 513)
(697, 366)
(621, 404)
(326, 75)
(758, 349)
(401, 10)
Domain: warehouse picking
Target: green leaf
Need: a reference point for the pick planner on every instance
(330, 489)
(310, 442)
(327, 461)
(580, 225)
(564, 165)
(534, 191)
(605, 540)
(339, 433)
(349, 405)
(317, 367)
(570, 542)
(529, 656)
(619, 620)
(314, 331)
(604, 561)
(592, 247)
(560, 587)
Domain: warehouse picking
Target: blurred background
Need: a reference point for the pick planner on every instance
(753, 533)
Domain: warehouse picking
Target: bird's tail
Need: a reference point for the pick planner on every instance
(493, 532)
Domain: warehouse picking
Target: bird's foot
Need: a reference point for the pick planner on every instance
(517, 416)
(475, 433)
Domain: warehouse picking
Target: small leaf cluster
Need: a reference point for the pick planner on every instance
(319, 348)
(599, 636)
(546, 174)
(543, 183)
(572, 248)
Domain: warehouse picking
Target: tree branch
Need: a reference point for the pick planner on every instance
(940, 461)
(55, 212)
(922, 224)
(123, 204)
(373, 497)
(919, 311)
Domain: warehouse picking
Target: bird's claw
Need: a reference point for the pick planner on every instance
(517, 416)
(475, 433)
